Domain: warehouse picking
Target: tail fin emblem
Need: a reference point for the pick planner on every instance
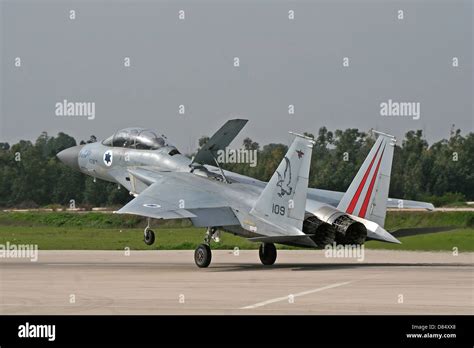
(284, 180)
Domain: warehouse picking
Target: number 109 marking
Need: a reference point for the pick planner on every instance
(278, 209)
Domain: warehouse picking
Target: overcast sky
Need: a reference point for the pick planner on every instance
(190, 62)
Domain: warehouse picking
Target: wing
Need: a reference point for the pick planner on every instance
(178, 196)
(334, 197)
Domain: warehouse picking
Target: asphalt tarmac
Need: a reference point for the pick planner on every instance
(301, 282)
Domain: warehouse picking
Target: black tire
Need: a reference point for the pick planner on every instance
(149, 238)
(267, 253)
(202, 256)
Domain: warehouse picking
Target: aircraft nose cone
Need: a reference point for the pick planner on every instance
(70, 156)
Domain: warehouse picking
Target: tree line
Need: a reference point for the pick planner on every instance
(32, 176)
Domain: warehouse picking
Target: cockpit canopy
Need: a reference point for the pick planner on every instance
(137, 138)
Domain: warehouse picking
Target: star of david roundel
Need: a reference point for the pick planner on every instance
(108, 158)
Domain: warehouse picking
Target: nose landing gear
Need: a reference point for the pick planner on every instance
(148, 234)
(149, 237)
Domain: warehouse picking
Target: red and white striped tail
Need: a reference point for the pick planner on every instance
(367, 195)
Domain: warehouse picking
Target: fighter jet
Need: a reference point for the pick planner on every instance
(168, 185)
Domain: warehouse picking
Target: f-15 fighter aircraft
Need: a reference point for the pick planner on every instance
(169, 185)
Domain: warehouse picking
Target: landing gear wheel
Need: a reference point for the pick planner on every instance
(267, 253)
(202, 256)
(149, 237)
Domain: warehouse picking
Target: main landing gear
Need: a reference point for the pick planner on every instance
(202, 254)
(267, 253)
(148, 234)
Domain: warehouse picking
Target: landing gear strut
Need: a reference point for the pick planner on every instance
(148, 234)
(267, 253)
(202, 254)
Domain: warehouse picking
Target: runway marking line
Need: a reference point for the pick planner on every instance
(303, 293)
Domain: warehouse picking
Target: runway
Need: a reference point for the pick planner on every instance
(301, 282)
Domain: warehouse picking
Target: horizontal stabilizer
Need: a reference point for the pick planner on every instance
(406, 232)
(375, 231)
(382, 235)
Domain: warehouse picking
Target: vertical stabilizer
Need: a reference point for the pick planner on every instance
(367, 195)
(284, 197)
